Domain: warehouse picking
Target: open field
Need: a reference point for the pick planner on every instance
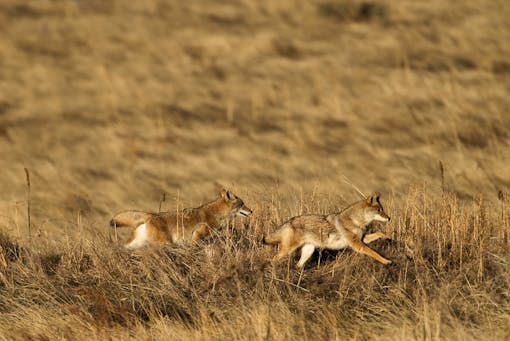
(450, 280)
(295, 105)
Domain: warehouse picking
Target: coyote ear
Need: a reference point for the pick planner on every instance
(223, 193)
(369, 199)
(230, 196)
(373, 198)
(226, 194)
(377, 195)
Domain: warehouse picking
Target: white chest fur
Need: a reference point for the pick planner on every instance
(336, 241)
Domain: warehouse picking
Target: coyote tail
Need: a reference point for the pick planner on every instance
(129, 218)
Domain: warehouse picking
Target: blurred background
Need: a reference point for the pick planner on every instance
(110, 103)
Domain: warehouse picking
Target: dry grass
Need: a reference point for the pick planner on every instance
(450, 281)
(292, 104)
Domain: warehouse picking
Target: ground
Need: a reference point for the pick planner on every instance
(298, 107)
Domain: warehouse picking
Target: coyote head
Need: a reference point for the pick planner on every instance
(236, 205)
(374, 209)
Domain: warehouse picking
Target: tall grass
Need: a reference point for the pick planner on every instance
(450, 280)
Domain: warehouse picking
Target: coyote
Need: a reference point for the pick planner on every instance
(335, 231)
(188, 224)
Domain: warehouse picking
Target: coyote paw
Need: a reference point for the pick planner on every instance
(385, 236)
(387, 262)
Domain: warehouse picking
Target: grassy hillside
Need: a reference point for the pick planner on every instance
(449, 280)
(294, 105)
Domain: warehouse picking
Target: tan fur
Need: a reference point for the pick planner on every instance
(335, 231)
(190, 224)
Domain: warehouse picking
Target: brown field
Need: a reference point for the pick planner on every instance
(296, 106)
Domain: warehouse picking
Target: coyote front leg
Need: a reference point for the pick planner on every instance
(201, 231)
(368, 238)
(358, 246)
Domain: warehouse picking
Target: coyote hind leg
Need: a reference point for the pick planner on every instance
(138, 238)
(306, 252)
(284, 251)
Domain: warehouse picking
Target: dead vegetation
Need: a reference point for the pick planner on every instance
(115, 105)
(450, 280)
